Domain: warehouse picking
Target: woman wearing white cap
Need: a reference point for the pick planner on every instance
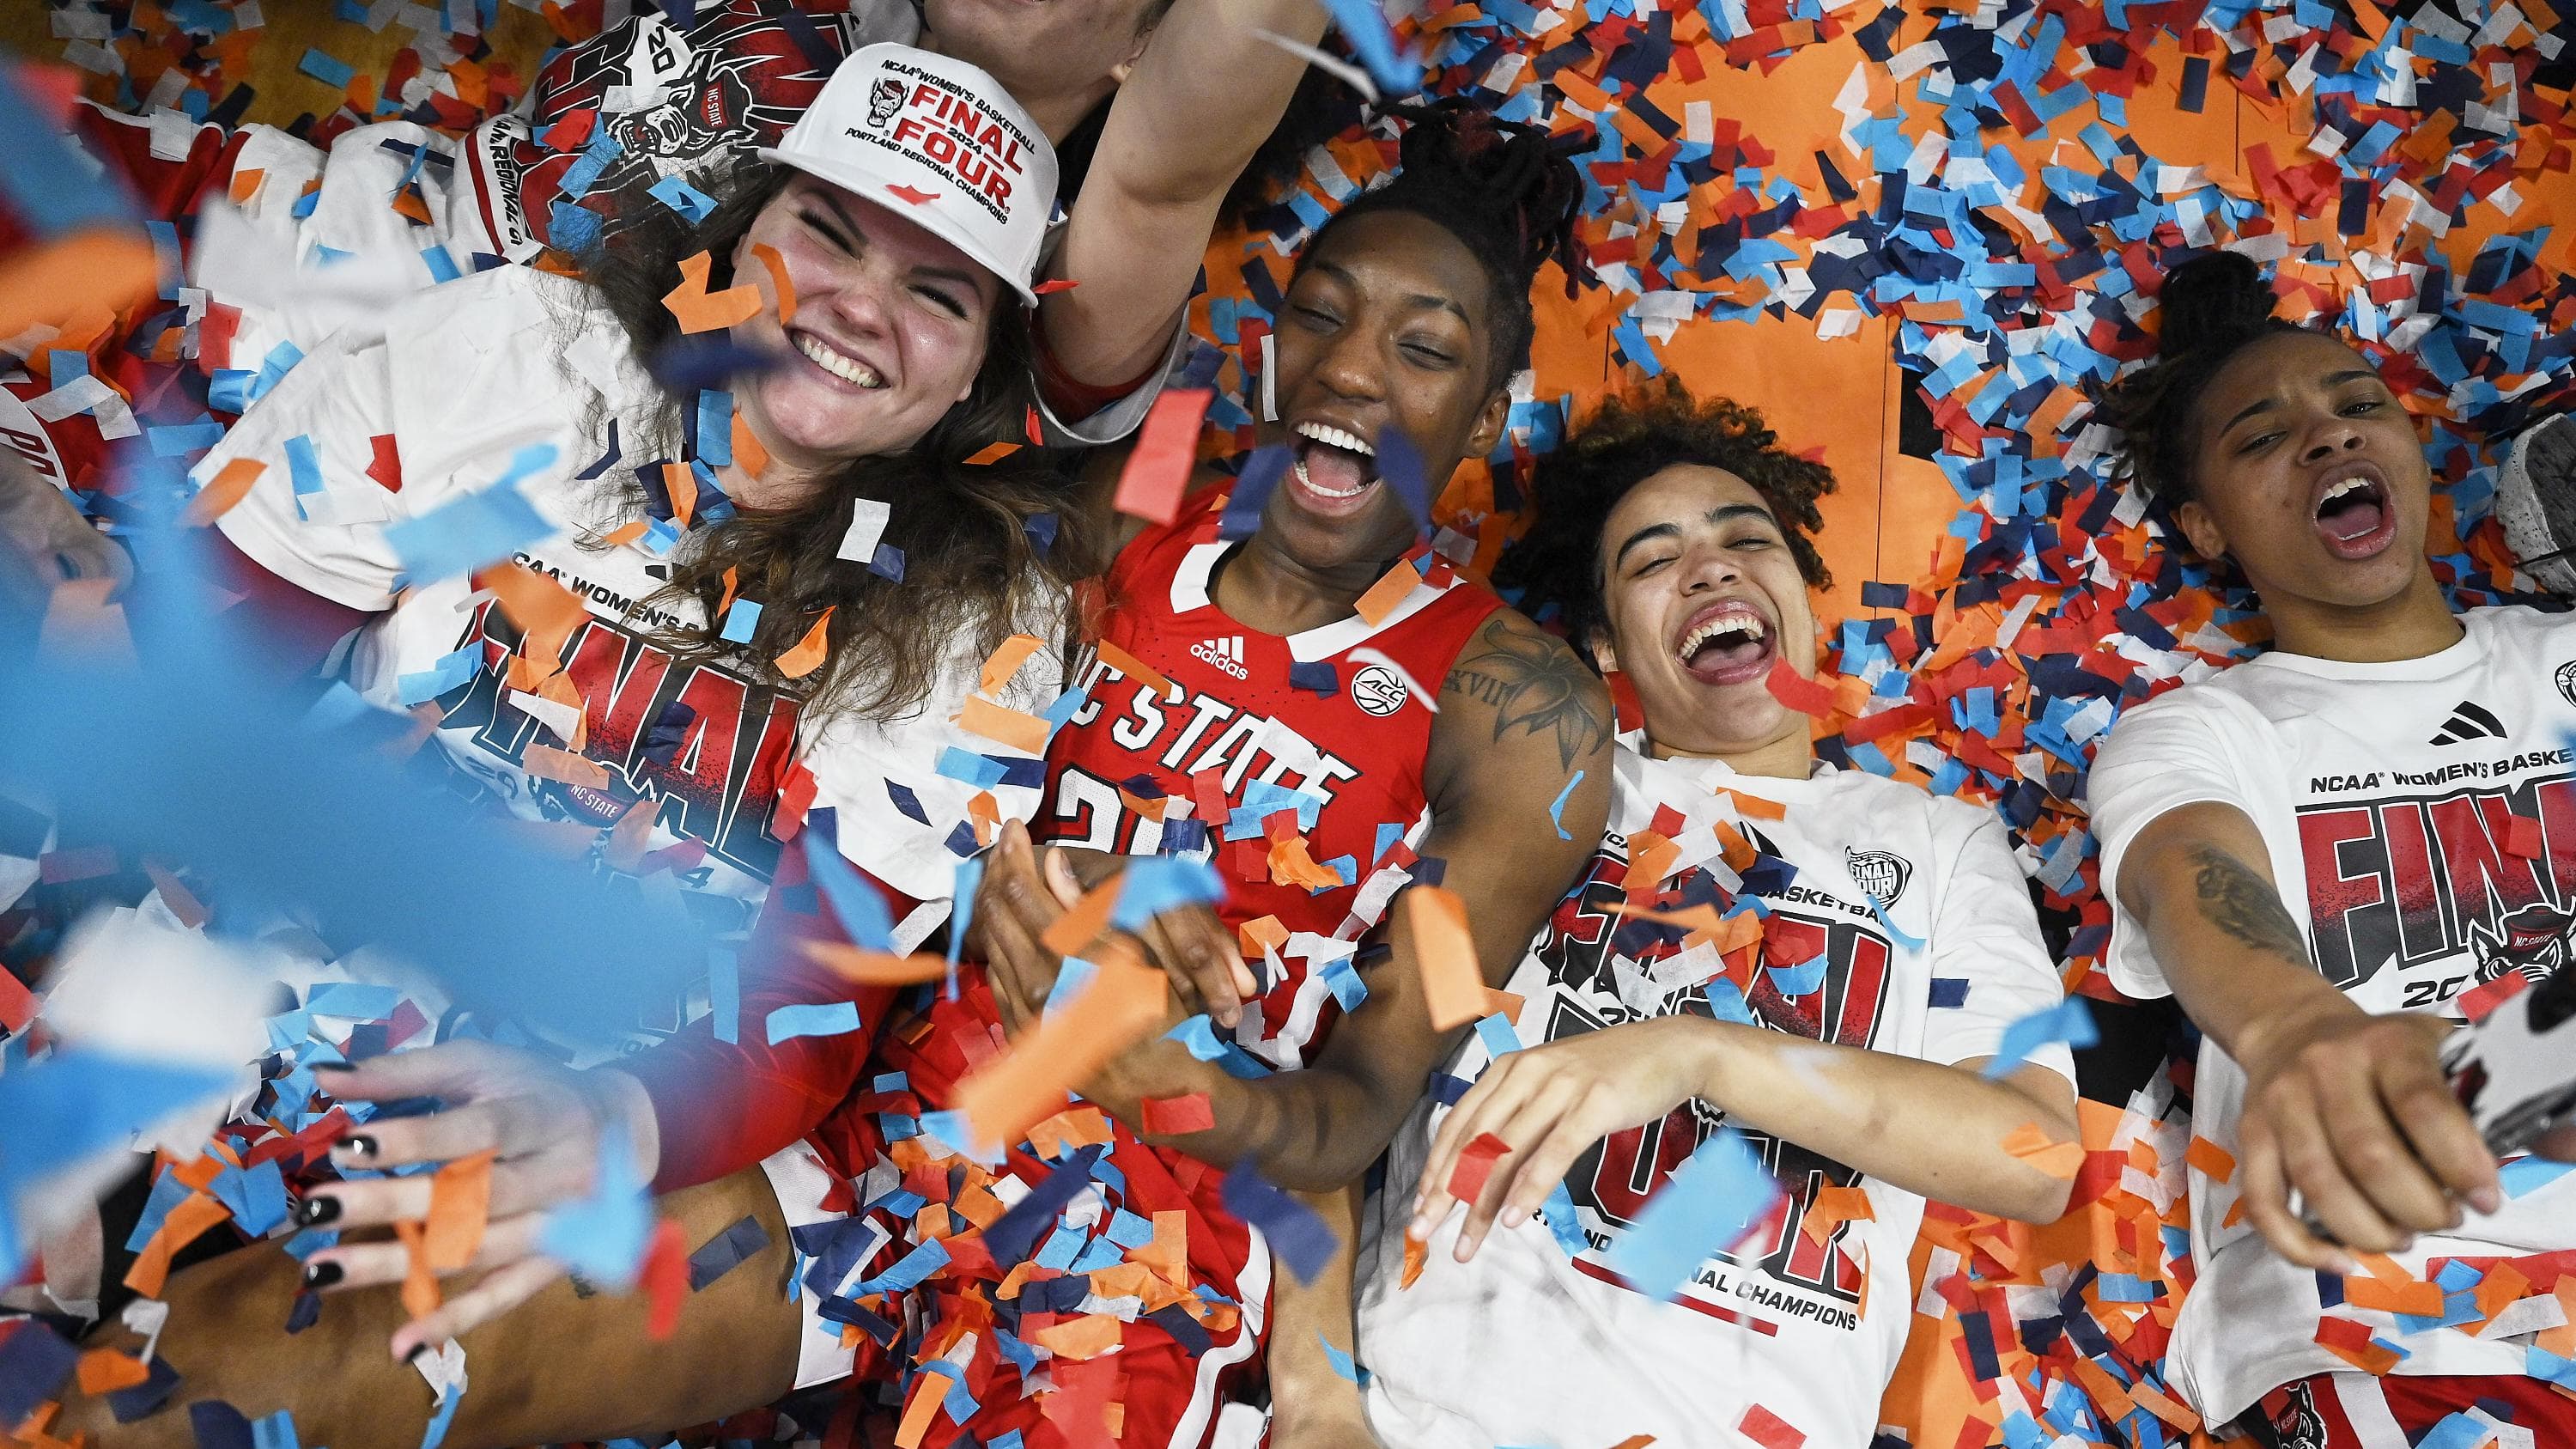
(798, 562)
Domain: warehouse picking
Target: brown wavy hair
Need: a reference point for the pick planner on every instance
(972, 569)
(1622, 445)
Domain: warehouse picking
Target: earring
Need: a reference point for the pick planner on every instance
(1269, 378)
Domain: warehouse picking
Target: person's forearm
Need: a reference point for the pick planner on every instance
(1927, 1128)
(1305, 1387)
(2201, 883)
(1206, 93)
(1313, 1130)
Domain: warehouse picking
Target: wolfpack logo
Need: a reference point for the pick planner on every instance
(1612, 1181)
(883, 99)
(2426, 885)
(2565, 679)
(734, 81)
(1225, 654)
(709, 746)
(1881, 873)
(2532, 940)
(2296, 1424)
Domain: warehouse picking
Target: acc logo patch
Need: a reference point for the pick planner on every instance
(1881, 873)
(1378, 691)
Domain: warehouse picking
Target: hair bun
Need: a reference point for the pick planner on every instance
(2214, 300)
(1510, 169)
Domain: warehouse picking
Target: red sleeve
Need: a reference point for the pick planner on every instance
(723, 1106)
(297, 625)
(1069, 397)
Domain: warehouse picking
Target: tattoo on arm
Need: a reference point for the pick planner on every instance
(2237, 901)
(1535, 686)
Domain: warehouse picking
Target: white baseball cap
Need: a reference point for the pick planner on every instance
(940, 142)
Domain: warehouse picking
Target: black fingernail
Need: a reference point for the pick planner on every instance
(324, 1274)
(417, 1350)
(359, 1146)
(315, 1210)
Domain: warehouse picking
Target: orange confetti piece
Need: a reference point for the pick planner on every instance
(1082, 923)
(732, 590)
(1832, 1207)
(1071, 1128)
(2411, 1296)
(1651, 857)
(545, 762)
(2060, 1160)
(1444, 952)
(1261, 933)
(1756, 808)
(230, 485)
(625, 533)
(1018, 729)
(1089, 1336)
(682, 485)
(1383, 597)
(2219, 1165)
(460, 1200)
(1123, 1003)
(195, 1213)
(104, 1371)
(991, 453)
(1292, 864)
(545, 611)
(420, 1296)
(702, 311)
(1138, 670)
(245, 184)
(779, 282)
(875, 968)
(928, 1392)
(91, 268)
(749, 453)
(1004, 663)
(810, 651)
(1416, 1253)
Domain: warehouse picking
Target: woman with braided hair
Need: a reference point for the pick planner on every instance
(2329, 854)
(1320, 669)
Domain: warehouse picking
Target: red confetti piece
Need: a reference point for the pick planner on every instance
(1475, 1166)
(1178, 1116)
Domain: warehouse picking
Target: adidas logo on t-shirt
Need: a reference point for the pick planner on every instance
(2469, 721)
(1225, 654)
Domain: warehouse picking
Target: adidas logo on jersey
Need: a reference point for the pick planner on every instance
(2469, 721)
(1225, 654)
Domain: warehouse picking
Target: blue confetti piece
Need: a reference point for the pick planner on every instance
(442, 267)
(1562, 1224)
(907, 802)
(1496, 1033)
(741, 621)
(724, 994)
(602, 1234)
(1345, 984)
(915, 1266)
(1252, 489)
(326, 68)
(1156, 884)
(1363, 24)
(1343, 1364)
(1199, 1036)
(1556, 809)
(480, 527)
(715, 427)
(2070, 1021)
(1400, 464)
(858, 905)
(677, 194)
(1949, 991)
(451, 672)
(179, 439)
(1705, 1207)
(821, 1018)
(1726, 1001)
(357, 1000)
(1802, 980)
(1909, 942)
(2540, 1363)
(1295, 1232)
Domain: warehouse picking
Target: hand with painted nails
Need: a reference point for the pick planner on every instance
(1546, 1104)
(1014, 906)
(544, 1122)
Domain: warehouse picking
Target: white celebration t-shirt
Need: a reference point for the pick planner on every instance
(454, 383)
(1528, 1345)
(2386, 795)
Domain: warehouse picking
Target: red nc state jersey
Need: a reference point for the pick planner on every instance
(1296, 760)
